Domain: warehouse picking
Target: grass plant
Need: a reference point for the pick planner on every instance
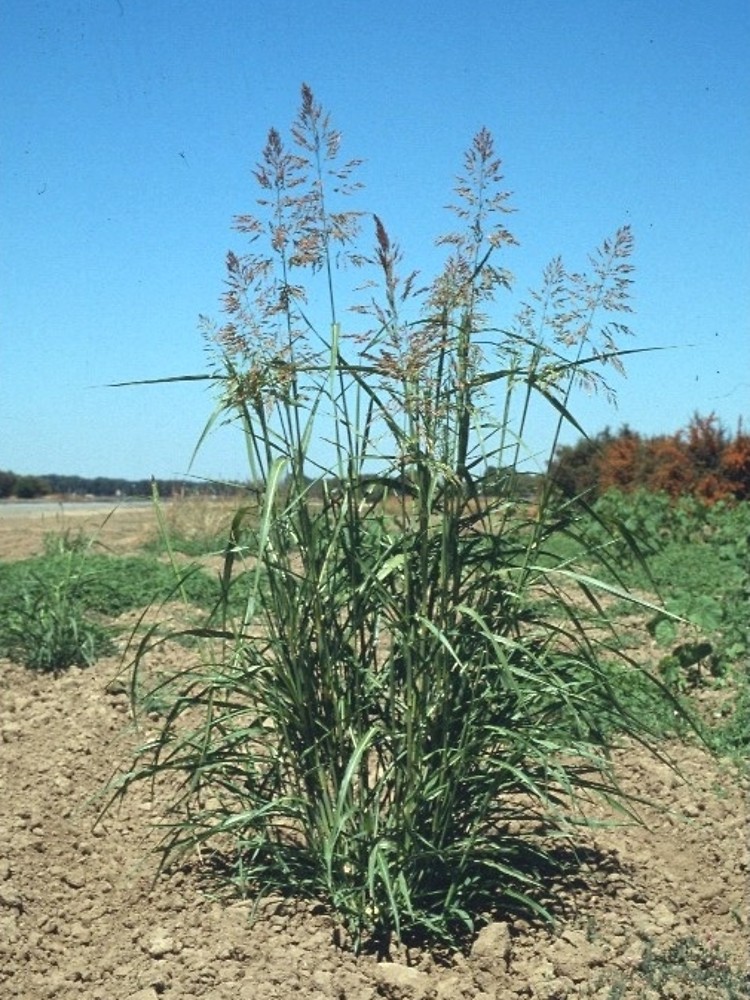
(45, 624)
(57, 609)
(410, 708)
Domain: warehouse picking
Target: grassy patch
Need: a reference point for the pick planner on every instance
(686, 968)
(57, 608)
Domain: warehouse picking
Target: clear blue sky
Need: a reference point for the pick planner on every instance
(128, 130)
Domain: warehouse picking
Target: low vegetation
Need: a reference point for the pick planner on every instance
(58, 607)
(686, 968)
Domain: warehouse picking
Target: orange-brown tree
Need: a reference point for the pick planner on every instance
(703, 459)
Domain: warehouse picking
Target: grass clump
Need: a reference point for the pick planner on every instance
(58, 607)
(46, 625)
(411, 706)
(47, 630)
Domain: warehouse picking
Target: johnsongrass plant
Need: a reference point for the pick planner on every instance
(412, 709)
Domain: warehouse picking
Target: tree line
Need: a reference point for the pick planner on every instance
(31, 487)
(703, 459)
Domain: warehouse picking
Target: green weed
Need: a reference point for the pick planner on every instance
(686, 968)
(59, 543)
(56, 607)
(45, 624)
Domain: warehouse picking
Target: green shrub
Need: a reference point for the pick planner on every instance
(694, 555)
(413, 705)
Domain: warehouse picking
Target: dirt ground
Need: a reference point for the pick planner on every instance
(118, 529)
(80, 916)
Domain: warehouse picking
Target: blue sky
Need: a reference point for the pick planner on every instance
(129, 128)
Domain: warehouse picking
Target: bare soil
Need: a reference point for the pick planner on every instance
(81, 915)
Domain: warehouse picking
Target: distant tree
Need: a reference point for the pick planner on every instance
(706, 439)
(7, 484)
(703, 459)
(735, 465)
(719, 462)
(621, 464)
(575, 468)
(667, 467)
(30, 487)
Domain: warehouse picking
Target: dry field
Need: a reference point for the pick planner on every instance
(80, 917)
